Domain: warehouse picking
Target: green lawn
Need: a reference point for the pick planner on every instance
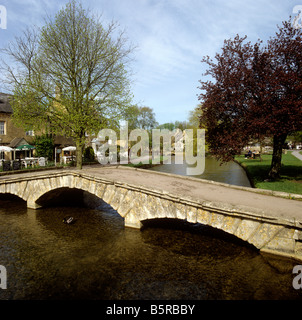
(291, 173)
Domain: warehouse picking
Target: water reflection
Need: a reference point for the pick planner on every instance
(97, 258)
(230, 172)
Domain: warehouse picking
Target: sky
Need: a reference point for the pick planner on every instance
(171, 38)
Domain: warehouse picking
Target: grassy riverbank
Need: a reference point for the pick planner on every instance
(291, 173)
(148, 165)
(140, 165)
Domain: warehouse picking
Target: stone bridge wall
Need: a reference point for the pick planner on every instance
(137, 204)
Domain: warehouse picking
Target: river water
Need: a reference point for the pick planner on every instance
(97, 258)
(229, 172)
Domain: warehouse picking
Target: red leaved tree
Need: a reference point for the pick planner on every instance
(255, 91)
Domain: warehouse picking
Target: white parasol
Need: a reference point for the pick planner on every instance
(70, 148)
(6, 149)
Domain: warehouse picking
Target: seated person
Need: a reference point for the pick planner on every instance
(249, 154)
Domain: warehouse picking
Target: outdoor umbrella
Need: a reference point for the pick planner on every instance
(5, 149)
(71, 148)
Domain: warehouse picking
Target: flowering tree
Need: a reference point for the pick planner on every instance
(256, 92)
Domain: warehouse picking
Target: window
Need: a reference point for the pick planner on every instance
(2, 127)
(30, 133)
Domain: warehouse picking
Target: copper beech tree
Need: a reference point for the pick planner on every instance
(255, 92)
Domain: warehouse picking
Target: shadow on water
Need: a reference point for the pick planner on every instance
(229, 267)
(201, 233)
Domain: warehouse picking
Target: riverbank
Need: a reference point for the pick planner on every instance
(257, 170)
(140, 165)
(230, 173)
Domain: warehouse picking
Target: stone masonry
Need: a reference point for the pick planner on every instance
(137, 204)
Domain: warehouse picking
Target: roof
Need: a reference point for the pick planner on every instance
(63, 141)
(5, 106)
(17, 142)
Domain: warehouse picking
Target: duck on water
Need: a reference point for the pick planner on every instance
(68, 220)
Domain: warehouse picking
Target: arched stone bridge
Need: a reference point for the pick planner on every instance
(265, 219)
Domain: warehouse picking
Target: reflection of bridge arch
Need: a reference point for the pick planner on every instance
(137, 204)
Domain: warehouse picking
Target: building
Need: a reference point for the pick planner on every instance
(13, 136)
(10, 135)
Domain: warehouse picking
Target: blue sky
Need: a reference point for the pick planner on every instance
(171, 37)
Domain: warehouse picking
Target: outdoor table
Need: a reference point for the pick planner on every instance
(68, 159)
(30, 161)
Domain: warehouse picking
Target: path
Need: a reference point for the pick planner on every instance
(297, 154)
(215, 192)
(262, 202)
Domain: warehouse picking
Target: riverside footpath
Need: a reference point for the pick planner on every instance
(274, 203)
(297, 154)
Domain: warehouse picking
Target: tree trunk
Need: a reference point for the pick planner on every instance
(279, 141)
(79, 153)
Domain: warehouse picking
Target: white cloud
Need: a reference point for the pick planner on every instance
(165, 43)
(172, 37)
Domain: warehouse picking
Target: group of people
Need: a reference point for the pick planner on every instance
(252, 155)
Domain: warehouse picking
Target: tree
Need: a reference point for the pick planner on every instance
(44, 146)
(195, 121)
(141, 118)
(168, 125)
(257, 92)
(72, 75)
(296, 137)
(89, 154)
(195, 116)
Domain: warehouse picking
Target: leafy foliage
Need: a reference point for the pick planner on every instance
(44, 146)
(72, 77)
(141, 118)
(89, 154)
(257, 92)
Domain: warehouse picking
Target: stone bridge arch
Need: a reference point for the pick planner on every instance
(137, 204)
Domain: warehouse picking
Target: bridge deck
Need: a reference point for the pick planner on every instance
(198, 189)
(204, 190)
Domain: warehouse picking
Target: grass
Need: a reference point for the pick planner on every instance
(141, 165)
(290, 177)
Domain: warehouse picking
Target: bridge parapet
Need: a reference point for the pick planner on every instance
(136, 204)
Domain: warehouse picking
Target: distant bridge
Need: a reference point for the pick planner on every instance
(265, 219)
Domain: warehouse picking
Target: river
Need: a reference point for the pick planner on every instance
(97, 258)
(229, 172)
